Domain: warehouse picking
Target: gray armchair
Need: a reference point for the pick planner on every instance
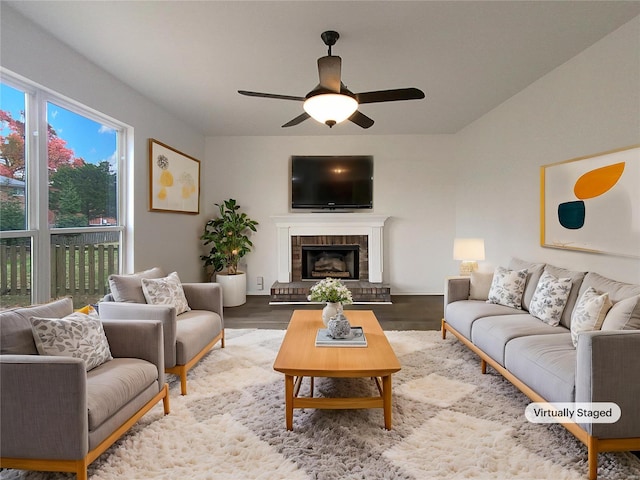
(187, 336)
(56, 416)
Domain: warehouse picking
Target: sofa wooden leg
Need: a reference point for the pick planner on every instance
(222, 339)
(483, 366)
(444, 330)
(183, 381)
(592, 449)
(165, 400)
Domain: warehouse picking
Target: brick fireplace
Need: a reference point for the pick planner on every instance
(341, 245)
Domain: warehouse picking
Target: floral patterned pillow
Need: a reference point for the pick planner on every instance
(165, 291)
(550, 298)
(77, 335)
(507, 287)
(589, 313)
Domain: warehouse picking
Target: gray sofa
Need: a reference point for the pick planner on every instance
(188, 336)
(57, 416)
(542, 361)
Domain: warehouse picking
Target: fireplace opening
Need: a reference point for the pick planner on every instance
(336, 261)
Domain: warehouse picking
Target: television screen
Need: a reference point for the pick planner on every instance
(332, 182)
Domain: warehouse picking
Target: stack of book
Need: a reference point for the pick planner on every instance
(355, 339)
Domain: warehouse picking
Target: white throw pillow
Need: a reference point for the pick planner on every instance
(550, 298)
(507, 287)
(77, 335)
(589, 313)
(480, 284)
(165, 291)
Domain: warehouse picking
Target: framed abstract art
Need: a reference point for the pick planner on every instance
(174, 180)
(592, 203)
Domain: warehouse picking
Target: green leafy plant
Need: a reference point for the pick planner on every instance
(228, 234)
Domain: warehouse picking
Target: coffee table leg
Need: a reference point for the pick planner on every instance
(386, 400)
(288, 400)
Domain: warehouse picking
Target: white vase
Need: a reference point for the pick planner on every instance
(330, 310)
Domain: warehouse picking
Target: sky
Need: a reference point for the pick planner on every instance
(89, 140)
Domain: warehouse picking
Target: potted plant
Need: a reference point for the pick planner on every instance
(228, 236)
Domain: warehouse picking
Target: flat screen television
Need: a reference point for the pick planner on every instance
(332, 182)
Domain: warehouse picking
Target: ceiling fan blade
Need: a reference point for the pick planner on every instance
(299, 119)
(270, 95)
(390, 95)
(329, 70)
(361, 119)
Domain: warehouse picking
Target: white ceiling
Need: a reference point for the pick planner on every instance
(191, 57)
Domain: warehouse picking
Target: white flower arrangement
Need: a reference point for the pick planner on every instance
(330, 290)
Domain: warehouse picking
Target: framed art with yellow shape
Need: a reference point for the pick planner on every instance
(592, 203)
(174, 180)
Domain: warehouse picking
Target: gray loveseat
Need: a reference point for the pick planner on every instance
(542, 361)
(55, 415)
(188, 336)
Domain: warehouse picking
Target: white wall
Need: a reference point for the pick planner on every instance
(413, 183)
(483, 181)
(590, 104)
(165, 239)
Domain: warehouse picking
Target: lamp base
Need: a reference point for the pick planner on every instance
(468, 266)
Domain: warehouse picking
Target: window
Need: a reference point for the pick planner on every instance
(61, 228)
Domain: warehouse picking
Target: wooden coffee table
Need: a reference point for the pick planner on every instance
(299, 357)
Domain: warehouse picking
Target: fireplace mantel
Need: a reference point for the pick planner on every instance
(330, 224)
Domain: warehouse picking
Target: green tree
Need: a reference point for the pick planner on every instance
(12, 215)
(94, 185)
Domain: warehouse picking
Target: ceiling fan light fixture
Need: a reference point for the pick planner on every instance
(330, 108)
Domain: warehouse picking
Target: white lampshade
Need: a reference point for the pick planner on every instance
(469, 251)
(330, 108)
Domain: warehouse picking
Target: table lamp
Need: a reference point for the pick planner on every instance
(468, 251)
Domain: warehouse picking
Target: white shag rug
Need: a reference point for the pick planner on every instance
(449, 422)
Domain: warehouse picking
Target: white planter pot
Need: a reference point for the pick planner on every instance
(234, 288)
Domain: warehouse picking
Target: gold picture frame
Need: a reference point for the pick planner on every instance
(592, 203)
(174, 180)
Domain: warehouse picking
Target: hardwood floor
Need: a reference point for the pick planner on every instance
(406, 312)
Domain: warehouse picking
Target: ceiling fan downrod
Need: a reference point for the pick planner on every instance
(330, 38)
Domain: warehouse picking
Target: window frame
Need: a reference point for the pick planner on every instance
(37, 180)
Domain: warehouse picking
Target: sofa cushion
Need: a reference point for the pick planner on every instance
(621, 317)
(480, 284)
(507, 287)
(589, 313)
(194, 331)
(550, 298)
(576, 283)
(128, 288)
(461, 315)
(16, 336)
(545, 363)
(618, 291)
(114, 384)
(77, 335)
(534, 270)
(165, 291)
(491, 334)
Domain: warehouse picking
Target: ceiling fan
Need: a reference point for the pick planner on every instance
(331, 102)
